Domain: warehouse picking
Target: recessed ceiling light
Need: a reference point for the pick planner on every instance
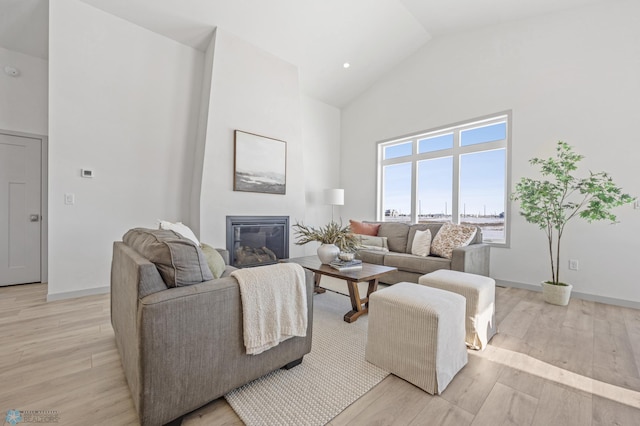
(346, 65)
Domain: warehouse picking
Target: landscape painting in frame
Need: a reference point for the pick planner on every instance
(260, 164)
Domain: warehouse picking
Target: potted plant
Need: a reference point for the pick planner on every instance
(333, 237)
(558, 198)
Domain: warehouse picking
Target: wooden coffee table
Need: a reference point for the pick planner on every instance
(369, 273)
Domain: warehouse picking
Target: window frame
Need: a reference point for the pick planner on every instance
(456, 153)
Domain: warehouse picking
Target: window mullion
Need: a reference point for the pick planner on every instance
(414, 183)
(455, 217)
(380, 177)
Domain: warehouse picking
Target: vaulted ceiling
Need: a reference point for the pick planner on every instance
(318, 36)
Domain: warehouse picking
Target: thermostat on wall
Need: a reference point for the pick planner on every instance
(86, 173)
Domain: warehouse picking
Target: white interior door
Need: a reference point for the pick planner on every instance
(20, 210)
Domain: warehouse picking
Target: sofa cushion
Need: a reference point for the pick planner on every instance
(396, 234)
(371, 256)
(450, 237)
(364, 228)
(417, 264)
(368, 242)
(421, 245)
(215, 262)
(179, 261)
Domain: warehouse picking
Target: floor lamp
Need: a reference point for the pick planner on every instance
(335, 197)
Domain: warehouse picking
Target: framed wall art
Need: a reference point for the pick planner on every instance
(260, 164)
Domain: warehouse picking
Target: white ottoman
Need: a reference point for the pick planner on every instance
(480, 292)
(417, 333)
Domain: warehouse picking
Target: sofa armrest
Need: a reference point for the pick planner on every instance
(474, 259)
(225, 255)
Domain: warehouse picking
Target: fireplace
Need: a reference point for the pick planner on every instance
(257, 240)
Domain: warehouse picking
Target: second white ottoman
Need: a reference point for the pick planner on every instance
(480, 292)
(417, 333)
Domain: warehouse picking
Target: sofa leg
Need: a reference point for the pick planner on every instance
(292, 364)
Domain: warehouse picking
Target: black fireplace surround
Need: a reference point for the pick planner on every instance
(257, 240)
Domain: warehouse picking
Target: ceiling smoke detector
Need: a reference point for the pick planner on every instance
(11, 71)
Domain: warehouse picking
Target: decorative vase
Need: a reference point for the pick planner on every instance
(556, 294)
(328, 253)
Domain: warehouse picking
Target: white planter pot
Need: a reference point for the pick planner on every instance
(556, 294)
(328, 253)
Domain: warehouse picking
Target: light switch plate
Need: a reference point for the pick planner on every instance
(69, 199)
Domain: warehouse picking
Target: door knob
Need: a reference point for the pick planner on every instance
(34, 218)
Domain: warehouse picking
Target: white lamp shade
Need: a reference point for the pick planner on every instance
(334, 197)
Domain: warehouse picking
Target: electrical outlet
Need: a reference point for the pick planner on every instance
(573, 264)
(636, 205)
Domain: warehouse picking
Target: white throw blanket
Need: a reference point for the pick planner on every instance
(274, 304)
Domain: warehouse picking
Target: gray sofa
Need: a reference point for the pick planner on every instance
(473, 258)
(182, 347)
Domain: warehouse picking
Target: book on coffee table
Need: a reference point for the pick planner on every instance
(346, 265)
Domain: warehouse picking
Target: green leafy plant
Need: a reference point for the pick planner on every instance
(332, 233)
(552, 202)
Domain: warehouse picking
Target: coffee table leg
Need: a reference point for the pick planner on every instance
(359, 306)
(316, 283)
(373, 286)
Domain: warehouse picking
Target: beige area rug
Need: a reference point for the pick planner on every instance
(331, 377)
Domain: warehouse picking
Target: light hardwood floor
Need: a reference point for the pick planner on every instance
(549, 365)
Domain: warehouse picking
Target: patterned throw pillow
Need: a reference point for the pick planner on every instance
(421, 243)
(452, 236)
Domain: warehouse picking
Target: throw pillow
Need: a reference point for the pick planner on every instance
(421, 243)
(373, 243)
(181, 229)
(452, 236)
(364, 228)
(179, 261)
(214, 260)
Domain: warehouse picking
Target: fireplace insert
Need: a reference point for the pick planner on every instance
(257, 240)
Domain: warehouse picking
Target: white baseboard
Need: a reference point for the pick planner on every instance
(78, 293)
(577, 295)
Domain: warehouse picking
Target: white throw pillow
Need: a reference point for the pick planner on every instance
(421, 243)
(181, 229)
(450, 237)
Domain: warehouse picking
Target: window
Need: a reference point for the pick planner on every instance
(458, 173)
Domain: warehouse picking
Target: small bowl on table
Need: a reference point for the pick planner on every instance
(347, 257)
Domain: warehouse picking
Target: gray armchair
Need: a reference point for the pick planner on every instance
(183, 347)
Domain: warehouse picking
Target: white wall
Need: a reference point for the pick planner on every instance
(23, 99)
(201, 138)
(570, 76)
(321, 135)
(124, 102)
(255, 92)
